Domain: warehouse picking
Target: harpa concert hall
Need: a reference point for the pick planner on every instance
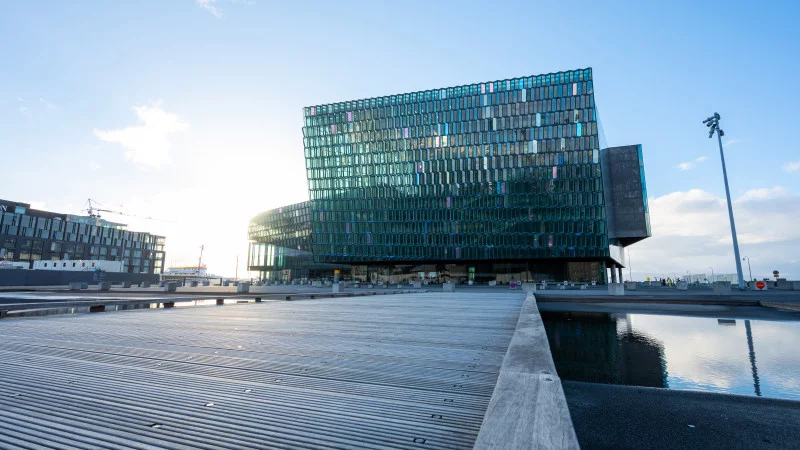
(499, 180)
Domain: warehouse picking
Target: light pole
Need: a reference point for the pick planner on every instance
(712, 274)
(748, 267)
(630, 269)
(713, 124)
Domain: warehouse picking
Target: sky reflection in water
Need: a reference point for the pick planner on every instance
(677, 352)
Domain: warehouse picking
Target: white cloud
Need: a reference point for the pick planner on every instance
(691, 231)
(792, 166)
(147, 144)
(94, 166)
(688, 342)
(733, 141)
(22, 108)
(35, 204)
(691, 165)
(764, 194)
(209, 5)
(47, 104)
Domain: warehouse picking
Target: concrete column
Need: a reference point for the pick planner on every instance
(613, 273)
(620, 274)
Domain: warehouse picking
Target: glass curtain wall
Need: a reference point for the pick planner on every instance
(500, 170)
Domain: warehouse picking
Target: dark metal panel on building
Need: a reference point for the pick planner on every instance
(625, 194)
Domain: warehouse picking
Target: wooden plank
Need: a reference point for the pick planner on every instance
(528, 408)
(389, 371)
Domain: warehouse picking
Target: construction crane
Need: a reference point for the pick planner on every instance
(94, 212)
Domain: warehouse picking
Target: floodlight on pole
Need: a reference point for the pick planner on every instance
(713, 123)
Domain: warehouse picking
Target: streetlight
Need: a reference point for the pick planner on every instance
(713, 124)
(630, 269)
(712, 274)
(748, 266)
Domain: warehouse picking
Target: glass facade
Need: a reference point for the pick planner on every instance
(28, 235)
(481, 175)
(280, 248)
(497, 170)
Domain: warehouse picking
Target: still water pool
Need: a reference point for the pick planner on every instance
(749, 357)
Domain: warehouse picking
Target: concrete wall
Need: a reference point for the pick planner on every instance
(18, 277)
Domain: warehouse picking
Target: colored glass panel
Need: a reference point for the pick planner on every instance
(473, 172)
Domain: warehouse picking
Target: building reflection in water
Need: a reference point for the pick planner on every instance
(604, 348)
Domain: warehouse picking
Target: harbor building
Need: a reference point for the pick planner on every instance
(29, 235)
(507, 179)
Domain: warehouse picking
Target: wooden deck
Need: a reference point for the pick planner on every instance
(394, 371)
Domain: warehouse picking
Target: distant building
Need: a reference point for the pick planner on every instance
(508, 177)
(709, 278)
(28, 235)
(200, 271)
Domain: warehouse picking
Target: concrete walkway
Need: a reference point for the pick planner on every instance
(394, 371)
(625, 417)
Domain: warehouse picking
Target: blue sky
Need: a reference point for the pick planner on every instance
(207, 97)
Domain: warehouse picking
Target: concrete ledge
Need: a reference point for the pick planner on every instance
(74, 306)
(722, 288)
(616, 289)
(528, 408)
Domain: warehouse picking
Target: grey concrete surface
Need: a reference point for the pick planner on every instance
(625, 417)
